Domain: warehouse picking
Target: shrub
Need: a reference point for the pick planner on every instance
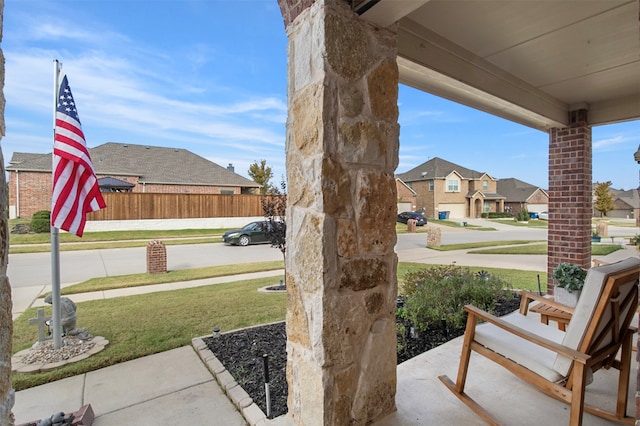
(569, 276)
(495, 215)
(522, 215)
(41, 221)
(439, 294)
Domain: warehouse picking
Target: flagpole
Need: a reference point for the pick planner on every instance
(55, 234)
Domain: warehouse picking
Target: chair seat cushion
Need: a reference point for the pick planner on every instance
(528, 354)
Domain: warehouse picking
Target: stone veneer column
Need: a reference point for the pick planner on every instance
(570, 195)
(342, 150)
(7, 394)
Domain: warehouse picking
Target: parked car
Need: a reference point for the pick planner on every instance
(252, 233)
(418, 217)
(543, 216)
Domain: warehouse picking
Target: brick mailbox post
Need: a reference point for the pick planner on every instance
(156, 257)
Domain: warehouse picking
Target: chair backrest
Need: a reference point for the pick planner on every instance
(604, 310)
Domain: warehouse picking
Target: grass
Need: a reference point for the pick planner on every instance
(38, 243)
(479, 244)
(157, 322)
(136, 280)
(596, 249)
(533, 223)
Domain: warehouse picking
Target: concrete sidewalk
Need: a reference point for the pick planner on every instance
(168, 388)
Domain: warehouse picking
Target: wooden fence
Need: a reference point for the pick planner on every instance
(136, 206)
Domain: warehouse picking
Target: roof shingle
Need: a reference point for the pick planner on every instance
(152, 165)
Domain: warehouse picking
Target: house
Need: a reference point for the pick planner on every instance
(406, 197)
(521, 195)
(626, 204)
(444, 189)
(124, 168)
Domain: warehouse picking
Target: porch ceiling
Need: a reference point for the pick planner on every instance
(528, 61)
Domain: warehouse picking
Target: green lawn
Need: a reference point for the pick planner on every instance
(156, 322)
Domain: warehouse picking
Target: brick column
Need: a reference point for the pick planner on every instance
(570, 195)
(156, 257)
(342, 150)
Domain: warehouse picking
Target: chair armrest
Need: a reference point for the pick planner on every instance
(526, 296)
(476, 313)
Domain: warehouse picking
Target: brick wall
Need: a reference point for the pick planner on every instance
(570, 176)
(35, 192)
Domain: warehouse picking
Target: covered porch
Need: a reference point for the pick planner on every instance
(558, 67)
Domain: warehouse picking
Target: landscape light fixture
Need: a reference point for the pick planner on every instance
(216, 332)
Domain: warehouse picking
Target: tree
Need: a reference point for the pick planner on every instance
(261, 174)
(274, 206)
(604, 198)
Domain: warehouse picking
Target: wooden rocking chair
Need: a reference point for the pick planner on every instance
(559, 363)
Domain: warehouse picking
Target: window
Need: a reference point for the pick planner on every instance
(431, 185)
(485, 185)
(453, 185)
(227, 191)
(486, 208)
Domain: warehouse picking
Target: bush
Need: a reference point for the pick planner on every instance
(41, 221)
(495, 215)
(522, 215)
(438, 294)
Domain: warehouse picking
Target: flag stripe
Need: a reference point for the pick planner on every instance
(75, 189)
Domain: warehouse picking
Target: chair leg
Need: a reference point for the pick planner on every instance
(465, 357)
(579, 378)
(458, 388)
(625, 371)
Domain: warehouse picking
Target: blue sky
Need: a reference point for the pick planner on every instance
(210, 76)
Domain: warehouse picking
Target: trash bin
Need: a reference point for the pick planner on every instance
(533, 215)
(442, 215)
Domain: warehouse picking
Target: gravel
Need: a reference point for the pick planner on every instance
(44, 353)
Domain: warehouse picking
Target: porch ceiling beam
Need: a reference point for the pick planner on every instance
(431, 63)
(387, 12)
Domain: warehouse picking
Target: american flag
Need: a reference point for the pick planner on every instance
(75, 186)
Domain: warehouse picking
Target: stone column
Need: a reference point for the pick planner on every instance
(7, 394)
(342, 150)
(570, 195)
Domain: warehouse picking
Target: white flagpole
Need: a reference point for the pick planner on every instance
(55, 234)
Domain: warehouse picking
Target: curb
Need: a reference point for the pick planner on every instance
(251, 412)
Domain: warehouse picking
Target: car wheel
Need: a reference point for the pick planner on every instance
(244, 240)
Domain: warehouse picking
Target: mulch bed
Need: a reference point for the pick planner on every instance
(242, 352)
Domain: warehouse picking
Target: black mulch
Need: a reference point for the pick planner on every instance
(242, 355)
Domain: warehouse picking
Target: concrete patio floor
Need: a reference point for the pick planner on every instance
(422, 399)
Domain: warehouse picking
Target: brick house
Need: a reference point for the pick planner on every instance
(521, 195)
(626, 204)
(442, 186)
(406, 197)
(124, 167)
